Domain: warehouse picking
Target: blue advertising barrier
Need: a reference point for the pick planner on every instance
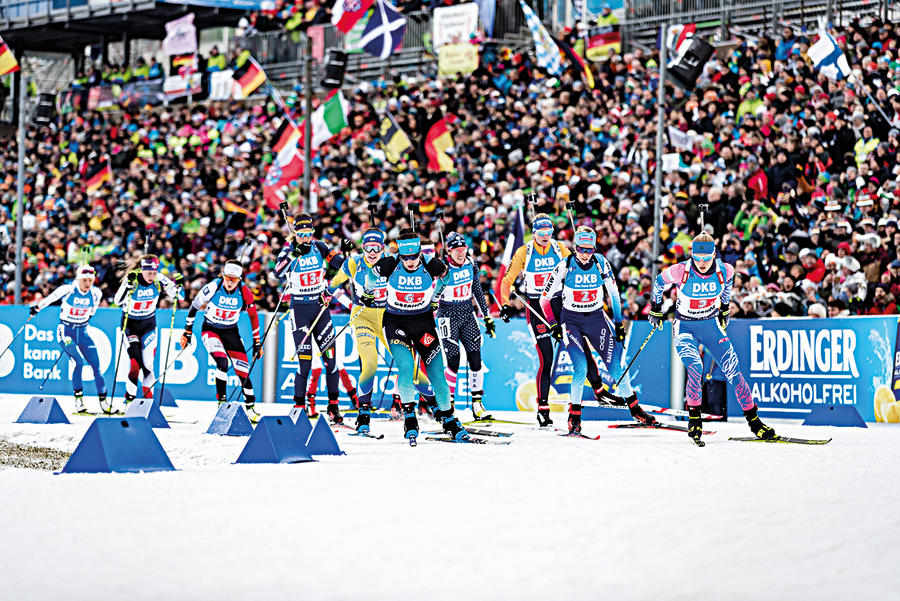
(510, 364)
(793, 365)
(35, 351)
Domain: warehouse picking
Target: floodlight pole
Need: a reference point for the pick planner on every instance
(20, 189)
(660, 124)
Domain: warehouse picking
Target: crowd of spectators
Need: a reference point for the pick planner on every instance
(799, 173)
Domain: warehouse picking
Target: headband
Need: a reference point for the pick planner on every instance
(541, 223)
(408, 247)
(703, 247)
(233, 270)
(151, 264)
(585, 239)
(373, 236)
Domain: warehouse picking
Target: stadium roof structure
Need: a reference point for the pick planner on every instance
(69, 25)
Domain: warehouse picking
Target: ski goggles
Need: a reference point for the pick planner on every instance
(542, 227)
(373, 247)
(585, 241)
(703, 258)
(304, 234)
(409, 249)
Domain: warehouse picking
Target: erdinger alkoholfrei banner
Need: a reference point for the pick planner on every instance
(793, 365)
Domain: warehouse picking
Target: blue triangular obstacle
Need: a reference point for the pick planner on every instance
(274, 440)
(301, 422)
(165, 398)
(148, 408)
(118, 444)
(612, 414)
(322, 440)
(43, 410)
(231, 420)
(835, 415)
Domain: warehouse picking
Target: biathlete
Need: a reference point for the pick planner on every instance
(303, 263)
(584, 325)
(80, 301)
(456, 320)
(701, 316)
(412, 285)
(140, 293)
(536, 260)
(222, 302)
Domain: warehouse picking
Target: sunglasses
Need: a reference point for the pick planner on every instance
(228, 278)
(305, 234)
(703, 258)
(584, 250)
(547, 232)
(409, 257)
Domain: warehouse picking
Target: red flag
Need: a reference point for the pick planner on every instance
(281, 175)
(437, 142)
(515, 239)
(95, 177)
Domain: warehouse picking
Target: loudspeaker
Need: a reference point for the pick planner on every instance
(322, 440)
(335, 67)
(231, 420)
(274, 441)
(835, 415)
(148, 408)
(118, 444)
(43, 410)
(45, 111)
(686, 67)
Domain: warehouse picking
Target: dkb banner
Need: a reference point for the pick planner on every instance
(510, 364)
(793, 365)
(35, 351)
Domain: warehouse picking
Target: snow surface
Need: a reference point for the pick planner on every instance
(635, 515)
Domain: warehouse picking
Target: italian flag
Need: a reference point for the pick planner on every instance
(329, 119)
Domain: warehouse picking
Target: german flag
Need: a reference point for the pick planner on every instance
(95, 176)
(393, 140)
(249, 77)
(233, 207)
(578, 63)
(286, 139)
(8, 62)
(436, 143)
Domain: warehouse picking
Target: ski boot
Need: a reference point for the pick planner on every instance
(79, 402)
(574, 419)
(410, 423)
(638, 413)
(695, 426)
(107, 408)
(334, 412)
(129, 398)
(543, 414)
(252, 413)
(311, 406)
(396, 408)
(605, 398)
(757, 426)
(451, 425)
(478, 410)
(424, 409)
(363, 418)
(220, 398)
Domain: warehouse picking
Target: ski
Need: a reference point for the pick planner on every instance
(469, 441)
(488, 422)
(373, 415)
(172, 420)
(782, 439)
(477, 432)
(657, 426)
(679, 412)
(115, 413)
(578, 435)
(366, 435)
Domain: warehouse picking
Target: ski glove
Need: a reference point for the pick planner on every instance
(620, 331)
(489, 327)
(132, 278)
(724, 316)
(295, 251)
(186, 339)
(346, 245)
(32, 310)
(325, 298)
(505, 313)
(257, 348)
(656, 315)
(556, 331)
(368, 298)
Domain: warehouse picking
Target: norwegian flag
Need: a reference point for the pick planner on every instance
(515, 239)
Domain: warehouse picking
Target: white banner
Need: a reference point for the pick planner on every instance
(178, 86)
(680, 139)
(454, 24)
(221, 85)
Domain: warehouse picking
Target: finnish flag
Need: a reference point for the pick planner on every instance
(827, 57)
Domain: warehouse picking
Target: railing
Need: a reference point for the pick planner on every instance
(17, 13)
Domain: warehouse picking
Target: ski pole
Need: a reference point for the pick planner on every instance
(309, 331)
(439, 216)
(530, 308)
(168, 349)
(262, 342)
(61, 353)
(341, 331)
(622, 377)
(16, 335)
(384, 388)
(174, 361)
(412, 207)
(569, 211)
(119, 354)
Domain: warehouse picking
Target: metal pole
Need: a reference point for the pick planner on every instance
(829, 13)
(20, 189)
(660, 124)
(307, 130)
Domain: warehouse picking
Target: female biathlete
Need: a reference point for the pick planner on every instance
(412, 284)
(140, 293)
(222, 301)
(536, 260)
(701, 316)
(456, 320)
(80, 301)
(583, 324)
(302, 263)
